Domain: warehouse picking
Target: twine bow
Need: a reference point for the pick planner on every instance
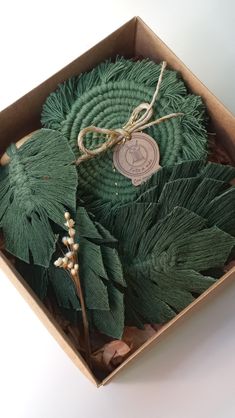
(138, 121)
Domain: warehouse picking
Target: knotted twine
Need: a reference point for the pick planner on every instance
(105, 97)
(137, 122)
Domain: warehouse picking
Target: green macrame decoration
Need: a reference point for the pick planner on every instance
(105, 97)
(180, 225)
(37, 186)
(101, 276)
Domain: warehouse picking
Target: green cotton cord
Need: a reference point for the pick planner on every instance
(182, 228)
(101, 276)
(105, 97)
(38, 187)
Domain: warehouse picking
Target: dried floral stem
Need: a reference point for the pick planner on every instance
(70, 263)
(77, 282)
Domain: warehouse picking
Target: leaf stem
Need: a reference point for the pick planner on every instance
(70, 263)
(77, 282)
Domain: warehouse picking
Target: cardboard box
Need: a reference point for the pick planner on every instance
(132, 39)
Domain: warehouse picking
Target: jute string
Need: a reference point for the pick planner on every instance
(137, 122)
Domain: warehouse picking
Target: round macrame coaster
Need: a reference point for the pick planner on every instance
(105, 97)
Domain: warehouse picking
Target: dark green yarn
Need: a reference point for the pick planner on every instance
(37, 187)
(101, 277)
(105, 97)
(170, 234)
(168, 237)
(37, 277)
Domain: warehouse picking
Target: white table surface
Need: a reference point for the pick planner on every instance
(191, 373)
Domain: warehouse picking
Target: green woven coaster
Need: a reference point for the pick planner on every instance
(105, 97)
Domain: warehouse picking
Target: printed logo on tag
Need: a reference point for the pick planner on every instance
(138, 158)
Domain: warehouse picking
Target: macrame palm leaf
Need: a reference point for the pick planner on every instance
(37, 277)
(105, 97)
(101, 275)
(176, 228)
(101, 278)
(37, 186)
(110, 322)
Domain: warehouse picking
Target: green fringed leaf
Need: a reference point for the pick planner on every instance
(143, 302)
(168, 230)
(90, 229)
(100, 268)
(150, 190)
(111, 322)
(37, 277)
(113, 265)
(186, 169)
(64, 288)
(168, 238)
(92, 272)
(175, 297)
(130, 222)
(182, 246)
(177, 193)
(218, 172)
(206, 191)
(105, 257)
(211, 198)
(221, 211)
(28, 237)
(85, 227)
(37, 187)
(194, 194)
(107, 238)
(203, 250)
(189, 280)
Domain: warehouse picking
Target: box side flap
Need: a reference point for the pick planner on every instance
(23, 116)
(148, 44)
(45, 316)
(212, 291)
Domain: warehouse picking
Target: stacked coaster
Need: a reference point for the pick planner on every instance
(105, 97)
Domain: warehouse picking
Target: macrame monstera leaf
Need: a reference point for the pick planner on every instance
(100, 274)
(37, 186)
(180, 227)
(105, 97)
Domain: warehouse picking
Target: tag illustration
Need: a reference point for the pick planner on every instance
(137, 158)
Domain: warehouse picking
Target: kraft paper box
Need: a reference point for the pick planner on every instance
(135, 38)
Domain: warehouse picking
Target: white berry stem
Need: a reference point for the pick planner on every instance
(70, 263)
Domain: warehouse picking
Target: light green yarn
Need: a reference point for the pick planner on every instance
(105, 97)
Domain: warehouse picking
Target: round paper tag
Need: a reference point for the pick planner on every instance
(137, 158)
